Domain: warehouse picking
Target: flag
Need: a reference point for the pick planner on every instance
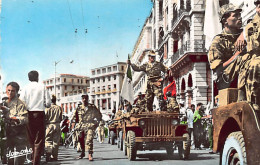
(171, 87)
(212, 25)
(127, 91)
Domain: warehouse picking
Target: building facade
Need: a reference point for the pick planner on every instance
(105, 86)
(69, 89)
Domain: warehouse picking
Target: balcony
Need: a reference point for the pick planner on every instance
(179, 16)
(189, 46)
(114, 90)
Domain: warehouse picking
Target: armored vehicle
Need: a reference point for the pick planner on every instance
(153, 131)
(236, 130)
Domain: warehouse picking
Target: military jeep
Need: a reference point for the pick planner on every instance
(114, 128)
(153, 131)
(236, 130)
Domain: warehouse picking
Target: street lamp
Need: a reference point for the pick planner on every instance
(55, 64)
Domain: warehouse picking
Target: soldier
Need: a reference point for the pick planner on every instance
(101, 132)
(172, 105)
(118, 114)
(17, 117)
(140, 104)
(53, 117)
(225, 66)
(249, 75)
(87, 113)
(153, 70)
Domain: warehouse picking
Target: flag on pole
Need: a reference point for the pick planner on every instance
(212, 25)
(171, 87)
(127, 91)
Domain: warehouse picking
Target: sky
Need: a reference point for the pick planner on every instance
(37, 33)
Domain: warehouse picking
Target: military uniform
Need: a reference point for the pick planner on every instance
(118, 114)
(101, 131)
(250, 73)
(87, 125)
(172, 105)
(16, 135)
(154, 86)
(139, 107)
(220, 51)
(53, 116)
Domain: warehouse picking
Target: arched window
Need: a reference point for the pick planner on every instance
(183, 86)
(190, 81)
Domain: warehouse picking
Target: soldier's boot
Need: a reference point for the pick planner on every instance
(90, 157)
(82, 155)
(241, 95)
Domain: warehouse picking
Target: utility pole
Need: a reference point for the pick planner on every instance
(55, 64)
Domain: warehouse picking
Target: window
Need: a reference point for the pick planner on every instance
(114, 77)
(114, 86)
(72, 80)
(109, 87)
(81, 81)
(114, 68)
(98, 71)
(109, 69)
(66, 94)
(78, 87)
(93, 72)
(78, 80)
(108, 78)
(93, 81)
(64, 79)
(103, 88)
(73, 87)
(109, 103)
(122, 68)
(104, 70)
(98, 89)
(65, 87)
(104, 79)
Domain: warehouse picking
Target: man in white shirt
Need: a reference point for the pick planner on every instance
(36, 98)
(190, 113)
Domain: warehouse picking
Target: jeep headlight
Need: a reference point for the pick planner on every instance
(174, 122)
(141, 122)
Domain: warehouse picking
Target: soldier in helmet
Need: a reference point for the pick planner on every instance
(153, 70)
(88, 116)
(53, 117)
(222, 47)
(172, 105)
(140, 104)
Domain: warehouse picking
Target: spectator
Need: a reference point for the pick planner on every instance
(197, 126)
(36, 98)
(190, 113)
(64, 128)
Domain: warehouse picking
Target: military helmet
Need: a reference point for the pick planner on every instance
(140, 93)
(256, 2)
(151, 53)
(225, 9)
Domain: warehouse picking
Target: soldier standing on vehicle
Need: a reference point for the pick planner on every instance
(16, 117)
(53, 117)
(87, 113)
(153, 70)
(225, 66)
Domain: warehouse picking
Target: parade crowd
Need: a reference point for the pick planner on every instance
(34, 123)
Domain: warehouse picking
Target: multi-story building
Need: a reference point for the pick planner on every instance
(69, 89)
(105, 86)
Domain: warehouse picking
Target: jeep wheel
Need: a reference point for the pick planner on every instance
(125, 147)
(234, 152)
(112, 136)
(120, 140)
(184, 148)
(131, 145)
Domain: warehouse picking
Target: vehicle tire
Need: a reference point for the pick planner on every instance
(112, 136)
(125, 147)
(120, 139)
(131, 147)
(170, 151)
(184, 147)
(234, 151)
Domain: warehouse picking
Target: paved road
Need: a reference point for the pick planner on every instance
(105, 154)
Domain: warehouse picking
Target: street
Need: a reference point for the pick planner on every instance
(109, 154)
